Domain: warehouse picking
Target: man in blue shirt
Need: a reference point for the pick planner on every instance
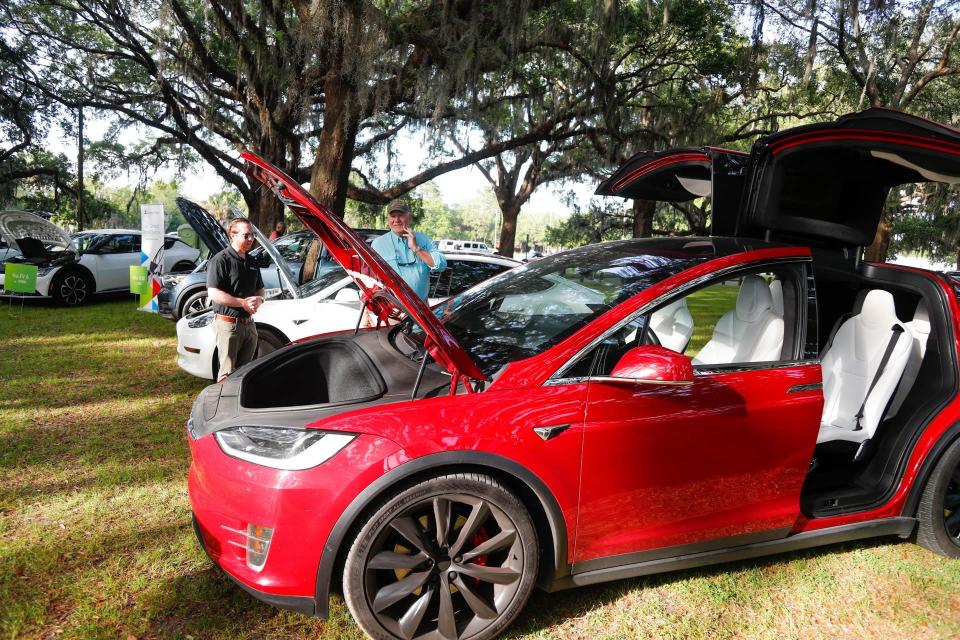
(410, 253)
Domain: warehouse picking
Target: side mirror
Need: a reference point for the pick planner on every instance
(347, 294)
(653, 365)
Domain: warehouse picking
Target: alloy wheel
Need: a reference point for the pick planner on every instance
(951, 507)
(198, 304)
(73, 290)
(447, 566)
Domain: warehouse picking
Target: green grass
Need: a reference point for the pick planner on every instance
(96, 542)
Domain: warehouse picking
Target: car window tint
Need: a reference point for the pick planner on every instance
(466, 274)
(706, 326)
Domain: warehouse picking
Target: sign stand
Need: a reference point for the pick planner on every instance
(19, 278)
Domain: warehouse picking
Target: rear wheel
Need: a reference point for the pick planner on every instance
(451, 557)
(939, 510)
(72, 288)
(183, 265)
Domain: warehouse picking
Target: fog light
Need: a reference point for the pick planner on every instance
(258, 545)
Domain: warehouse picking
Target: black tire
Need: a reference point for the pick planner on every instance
(72, 288)
(183, 265)
(267, 342)
(469, 578)
(197, 301)
(939, 510)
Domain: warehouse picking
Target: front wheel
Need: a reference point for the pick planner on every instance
(71, 288)
(939, 510)
(451, 557)
(195, 303)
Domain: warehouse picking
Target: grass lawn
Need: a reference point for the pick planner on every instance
(97, 542)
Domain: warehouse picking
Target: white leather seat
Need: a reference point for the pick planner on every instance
(751, 332)
(673, 325)
(850, 365)
(776, 294)
(919, 332)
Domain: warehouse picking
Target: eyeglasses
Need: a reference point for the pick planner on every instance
(396, 255)
(247, 236)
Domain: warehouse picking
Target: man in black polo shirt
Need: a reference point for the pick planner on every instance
(236, 290)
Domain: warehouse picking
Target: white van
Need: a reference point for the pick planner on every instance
(464, 245)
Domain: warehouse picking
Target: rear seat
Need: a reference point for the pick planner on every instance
(919, 333)
(850, 366)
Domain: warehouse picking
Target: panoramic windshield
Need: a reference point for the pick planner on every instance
(84, 241)
(531, 308)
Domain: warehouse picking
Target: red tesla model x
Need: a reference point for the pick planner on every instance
(617, 410)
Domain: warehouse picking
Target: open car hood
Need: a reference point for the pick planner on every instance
(383, 291)
(209, 230)
(827, 183)
(680, 175)
(29, 234)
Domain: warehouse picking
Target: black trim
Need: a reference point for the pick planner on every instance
(391, 479)
(800, 388)
(661, 553)
(300, 604)
(902, 527)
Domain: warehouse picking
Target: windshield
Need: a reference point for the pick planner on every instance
(85, 241)
(531, 308)
(323, 281)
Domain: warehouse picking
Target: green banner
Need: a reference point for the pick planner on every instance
(139, 282)
(21, 278)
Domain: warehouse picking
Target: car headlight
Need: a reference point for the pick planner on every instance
(172, 279)
(282, 448)
(201, 320)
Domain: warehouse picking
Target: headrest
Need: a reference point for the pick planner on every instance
(754, 298)
(921, 319)
(878, 310)
(776, 294)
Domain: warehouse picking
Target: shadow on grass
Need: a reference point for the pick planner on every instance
(545, 610)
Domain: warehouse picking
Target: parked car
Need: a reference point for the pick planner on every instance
(330, 302)
(73, 268)
(464, 245)
(522, 435)
(183, 294)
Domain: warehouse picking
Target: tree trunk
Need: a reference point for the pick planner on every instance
(331, 168)
(265, 209)
(80, 188)
(508, 231)
(643, 211)
(877, 251)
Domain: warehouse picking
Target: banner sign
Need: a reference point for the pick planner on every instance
(20, 278)
(151, 251)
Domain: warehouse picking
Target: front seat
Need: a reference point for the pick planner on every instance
(751, 332)
(851, 410)
(673, 325)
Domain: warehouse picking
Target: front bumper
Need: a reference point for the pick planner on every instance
(301, 507)
(195, 348)
(43, 286)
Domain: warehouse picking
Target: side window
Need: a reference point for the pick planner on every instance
(120, 244)
(753, 317)
(466, 273)
(440, 280)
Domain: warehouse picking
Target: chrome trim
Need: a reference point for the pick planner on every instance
(707, 369)
(556, 382)
(546, 433)
(616, 380)
(245, 534)
(798, 388)
(674, 292)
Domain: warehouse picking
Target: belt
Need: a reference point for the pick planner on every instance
(233, 320)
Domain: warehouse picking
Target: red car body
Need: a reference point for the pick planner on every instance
(619, 479)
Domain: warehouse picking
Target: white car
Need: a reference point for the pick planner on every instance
(471, 246)
(71, 269)
(328, 303)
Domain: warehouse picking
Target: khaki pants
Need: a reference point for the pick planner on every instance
(236, 345)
